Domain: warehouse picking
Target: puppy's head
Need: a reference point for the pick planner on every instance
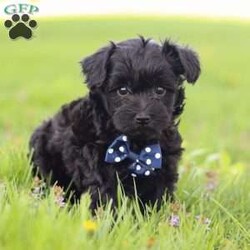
(139, 83)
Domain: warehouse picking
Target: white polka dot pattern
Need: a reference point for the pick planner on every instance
(138, 167)
(124, 138)
(121, 149)
(117, 159)
(142, 161)
(110, 150)
(157, 155)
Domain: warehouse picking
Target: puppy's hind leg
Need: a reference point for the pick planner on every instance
(37, 150)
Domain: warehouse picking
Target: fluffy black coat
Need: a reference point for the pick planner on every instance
(136, 89)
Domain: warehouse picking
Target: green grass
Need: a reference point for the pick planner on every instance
(30, 223)
(38, 76)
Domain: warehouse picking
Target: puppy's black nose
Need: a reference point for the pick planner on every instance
(142, 119)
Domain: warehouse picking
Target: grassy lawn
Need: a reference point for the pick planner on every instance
(213, 201)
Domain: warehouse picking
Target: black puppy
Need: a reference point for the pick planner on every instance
(126, 127)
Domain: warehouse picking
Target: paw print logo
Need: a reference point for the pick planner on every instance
(20, 27)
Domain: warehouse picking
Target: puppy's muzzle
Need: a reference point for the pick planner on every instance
(142, 119)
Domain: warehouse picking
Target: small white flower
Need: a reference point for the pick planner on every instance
(148, 149)
(147, 173)
(148, 161)
(174, 221)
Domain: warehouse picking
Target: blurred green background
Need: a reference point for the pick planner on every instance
(40, 75)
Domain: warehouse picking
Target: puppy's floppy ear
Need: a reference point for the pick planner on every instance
(183, 60)
(96, 66)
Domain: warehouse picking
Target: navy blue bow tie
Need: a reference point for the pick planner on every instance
(149, 159)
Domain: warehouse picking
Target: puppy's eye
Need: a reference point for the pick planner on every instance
(160, 91)
(123, 91)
